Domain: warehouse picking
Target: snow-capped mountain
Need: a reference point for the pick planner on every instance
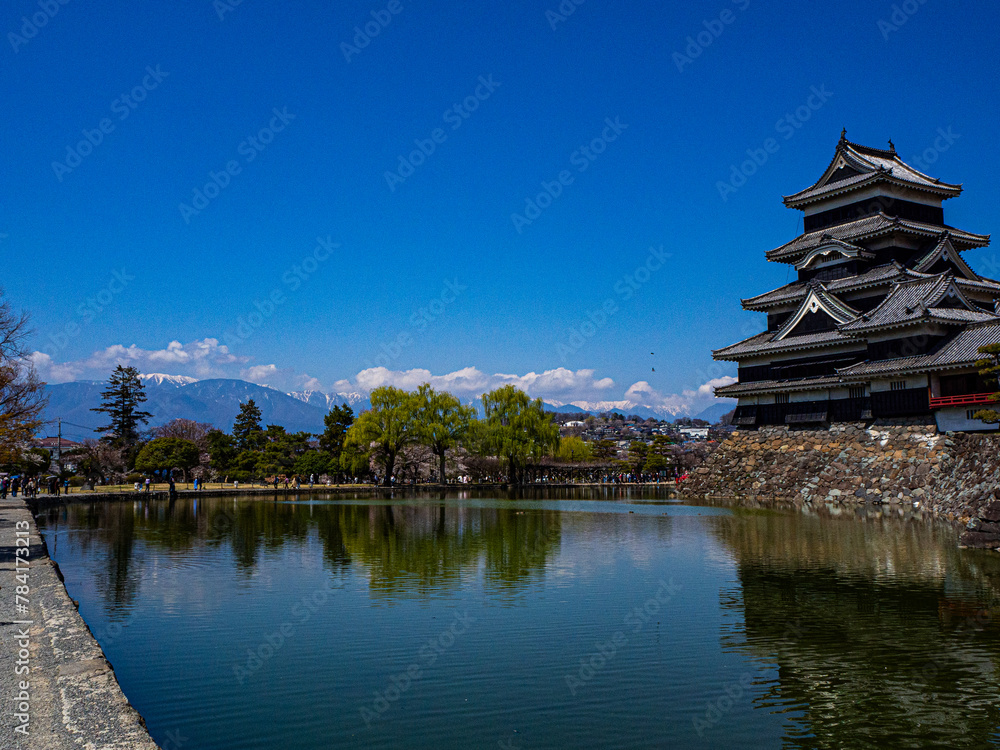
(218, 401)
(625, 407)
(160, 379)
(357, 401)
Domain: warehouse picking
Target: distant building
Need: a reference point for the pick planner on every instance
(694, 433)
(57, 447)
(885, 318)
(576, 423)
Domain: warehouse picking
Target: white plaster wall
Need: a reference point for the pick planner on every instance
(955, 420)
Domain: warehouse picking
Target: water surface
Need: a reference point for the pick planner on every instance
(604, 619)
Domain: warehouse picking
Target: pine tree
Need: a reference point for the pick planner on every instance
(247, 429)
(990, 370)
(121, 402)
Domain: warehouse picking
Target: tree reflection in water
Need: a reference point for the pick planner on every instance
(880, 631)
(411, 547)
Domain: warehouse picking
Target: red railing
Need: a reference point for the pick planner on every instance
(968, 399)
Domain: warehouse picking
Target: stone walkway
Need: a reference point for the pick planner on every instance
(73, 698)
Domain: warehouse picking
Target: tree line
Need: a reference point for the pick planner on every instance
(404, 436)
(401, 431)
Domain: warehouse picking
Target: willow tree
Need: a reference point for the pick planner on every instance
(442, 422)
(385, 429)
(989, 368)
(21, 395)
(516, 430)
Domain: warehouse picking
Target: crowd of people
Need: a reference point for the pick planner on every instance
(30, 486)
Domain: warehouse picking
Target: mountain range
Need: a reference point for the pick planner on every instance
(217, 402)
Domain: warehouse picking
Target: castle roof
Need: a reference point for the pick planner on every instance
(766, 343)
(944, 251)
(933, 299)
(868, 228)
(770, 386)
(960, 351)
(855, 166)
(879, 276)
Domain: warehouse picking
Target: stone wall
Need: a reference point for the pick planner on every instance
(952, 474)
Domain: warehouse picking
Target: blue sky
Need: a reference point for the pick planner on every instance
(307, 212)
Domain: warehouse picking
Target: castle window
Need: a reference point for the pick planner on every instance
(970, 414)
(857, 391)
(781, 398)
(897, 385)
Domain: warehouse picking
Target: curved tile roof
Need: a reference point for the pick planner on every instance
(916, 301)
(863, 165)
(961, 351)
(870, 227)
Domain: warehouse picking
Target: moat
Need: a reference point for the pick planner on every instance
(617, 618)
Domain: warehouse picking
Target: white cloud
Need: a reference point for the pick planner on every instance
(261, 374)
(470, 382)
(53, 372)
(206, 358)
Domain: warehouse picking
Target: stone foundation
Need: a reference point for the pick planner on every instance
(952, 474)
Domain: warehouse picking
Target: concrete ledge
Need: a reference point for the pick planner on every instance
(74, 699)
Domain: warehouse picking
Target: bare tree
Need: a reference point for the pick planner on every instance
(98, 459)
(21, 396)
(186, 429)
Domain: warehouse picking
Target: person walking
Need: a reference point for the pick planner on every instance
(3, 488)
(147, 485)
(15, 485)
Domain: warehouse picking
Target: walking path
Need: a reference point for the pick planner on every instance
(52, 671)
